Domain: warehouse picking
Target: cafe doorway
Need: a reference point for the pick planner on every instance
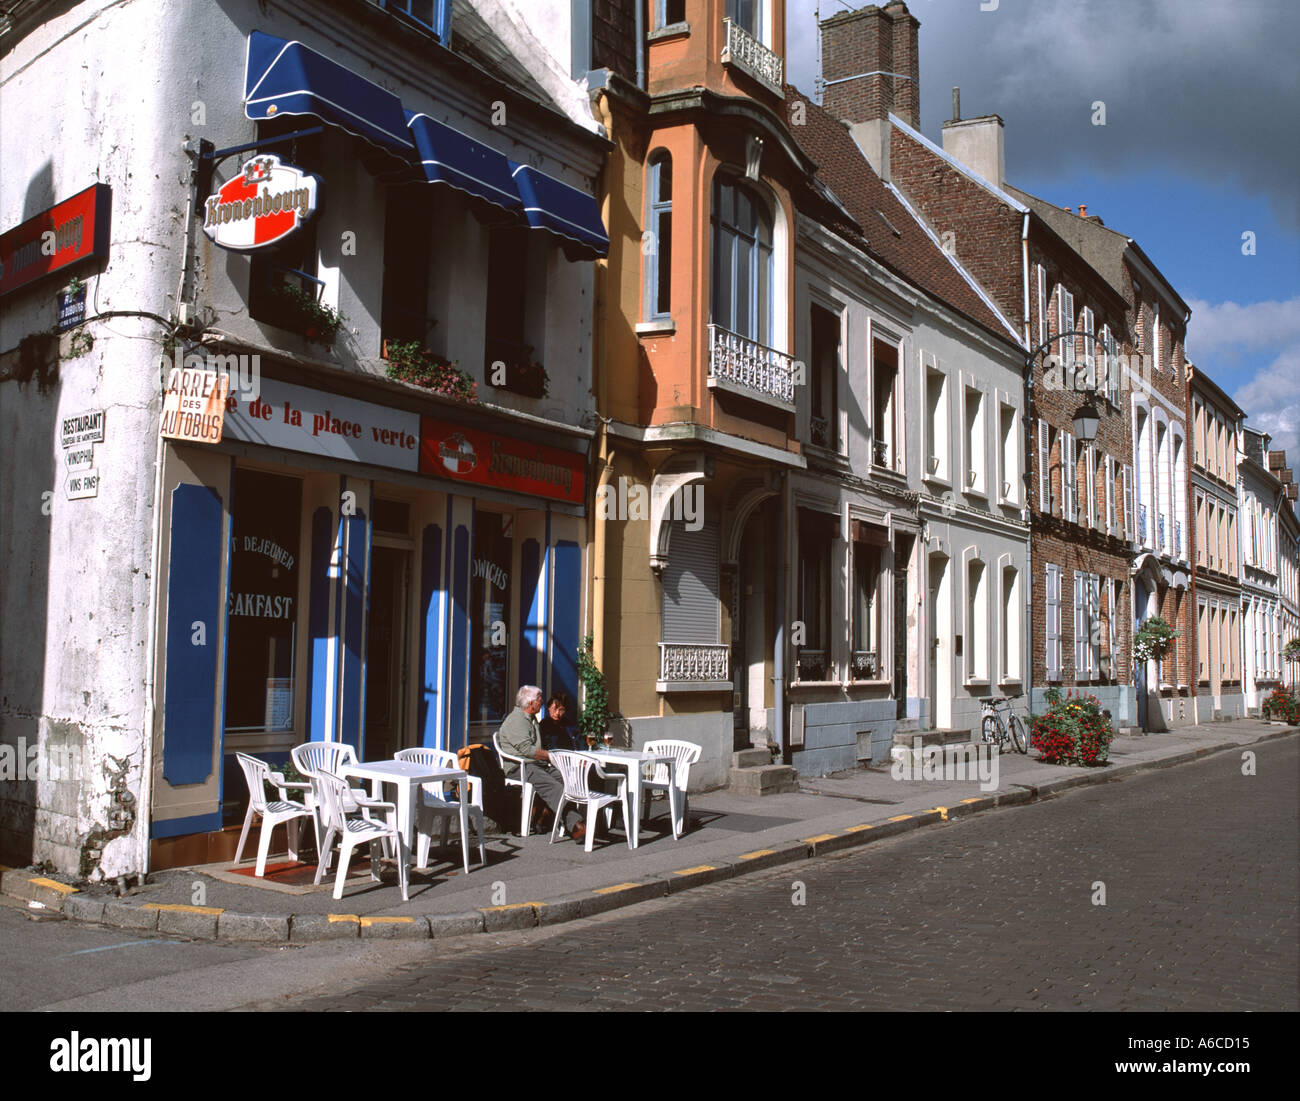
(387, 730)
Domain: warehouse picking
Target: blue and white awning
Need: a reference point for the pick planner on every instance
(283, 77)
(447, 156)
(563, 210)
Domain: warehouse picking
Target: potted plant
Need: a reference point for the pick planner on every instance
(302, 312)
(408, 362)
(523, 374)
(1281, 704)
(1073, 731)
(1152, 640)
(594, 719)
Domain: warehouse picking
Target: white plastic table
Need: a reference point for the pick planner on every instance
(407, 776)
(632, 760)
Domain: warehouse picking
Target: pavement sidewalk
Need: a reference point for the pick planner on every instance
(528, 881)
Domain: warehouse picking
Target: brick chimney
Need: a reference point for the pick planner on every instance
(870, 64)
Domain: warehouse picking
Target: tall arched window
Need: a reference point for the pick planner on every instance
(659, 224)
(742, 262)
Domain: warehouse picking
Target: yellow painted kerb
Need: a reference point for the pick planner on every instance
(819, 837)
(611, 890)
(54, 885)
(855, 829)
(693, 871)
(900, 818)
(342, 917)
(368, 921)
(756, 852)
(177, 908)
(510, 906)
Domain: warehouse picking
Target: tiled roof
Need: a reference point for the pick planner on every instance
(885, 228)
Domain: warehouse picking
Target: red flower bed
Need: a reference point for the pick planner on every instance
(1074, 731)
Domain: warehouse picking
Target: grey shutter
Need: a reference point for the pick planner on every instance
(690, 584)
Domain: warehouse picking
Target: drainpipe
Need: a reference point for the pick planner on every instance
(1027, 656)
(778, 651)
(640, 45)
(606, 456)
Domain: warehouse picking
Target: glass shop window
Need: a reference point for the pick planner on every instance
(490, 696)
(261, 612)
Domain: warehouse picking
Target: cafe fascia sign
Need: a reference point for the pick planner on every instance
(265, 203)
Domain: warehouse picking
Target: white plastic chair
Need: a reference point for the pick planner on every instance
(311, 758)
(575, 769)
(526, 794)
(655, 777)
(332, 793)
(435, 805)
(272, 812)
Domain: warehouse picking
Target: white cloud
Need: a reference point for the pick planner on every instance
(1272, 402)
(1229, 327)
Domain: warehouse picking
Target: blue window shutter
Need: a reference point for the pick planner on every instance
(193, 596)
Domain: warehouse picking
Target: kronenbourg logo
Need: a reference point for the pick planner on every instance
(265, 203)
(457, 454)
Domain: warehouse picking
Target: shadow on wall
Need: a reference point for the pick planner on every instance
(29, 495)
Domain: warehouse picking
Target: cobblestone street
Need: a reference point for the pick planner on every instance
(1197, 865)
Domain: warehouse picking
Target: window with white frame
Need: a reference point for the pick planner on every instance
(1042, 305)
(1090, 459)
(669, 12)
(1086, 323)
(974, 480)
(1065, 324)
(1012, 608)
(886, 420)
(977, 621)
(936, 421)
(748, 15)
(1009, 453)
(1052, 632)
(1069, 477)
(1110, 495)
(658, 250)
(1202, 643)
(742, 261)
(1086, 635)
(1129, 522)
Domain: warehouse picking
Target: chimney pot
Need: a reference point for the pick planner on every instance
(1083, 211)
(956, 105)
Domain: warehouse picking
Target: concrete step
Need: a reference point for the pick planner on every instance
(907, 726)
(907, 740)
(751, 758)
(32, 887)
(938, 755)
(764, 780)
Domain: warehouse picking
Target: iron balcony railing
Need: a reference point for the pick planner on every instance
(812, 665)
(1178, 537)
(750, 56)
(1160, 531)
(693, 661)
(746, 363)
(1142, 523)
(866, 665)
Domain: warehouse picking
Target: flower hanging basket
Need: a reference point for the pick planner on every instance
(1153, 640)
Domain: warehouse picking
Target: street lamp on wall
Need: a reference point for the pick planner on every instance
(1086, 421)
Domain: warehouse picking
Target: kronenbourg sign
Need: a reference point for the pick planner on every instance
(265, 203)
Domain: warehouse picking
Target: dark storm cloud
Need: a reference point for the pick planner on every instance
(1205, 89)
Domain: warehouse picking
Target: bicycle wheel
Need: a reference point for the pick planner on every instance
(992, 735)
(1019, 736)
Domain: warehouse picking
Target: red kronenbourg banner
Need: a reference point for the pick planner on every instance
(470, 455)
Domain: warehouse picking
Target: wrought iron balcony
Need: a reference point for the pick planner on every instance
(1178, 537)
(866, 665)
(1160, 531)
(751, 57)
(1142, 523)
(880, 453)
(811, 665)
(746, 365)
(680, 662)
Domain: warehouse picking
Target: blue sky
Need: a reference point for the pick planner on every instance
(1201, 144)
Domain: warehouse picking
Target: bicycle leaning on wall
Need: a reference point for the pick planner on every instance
(1001, 725)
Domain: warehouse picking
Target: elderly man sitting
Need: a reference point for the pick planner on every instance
(521, 736)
